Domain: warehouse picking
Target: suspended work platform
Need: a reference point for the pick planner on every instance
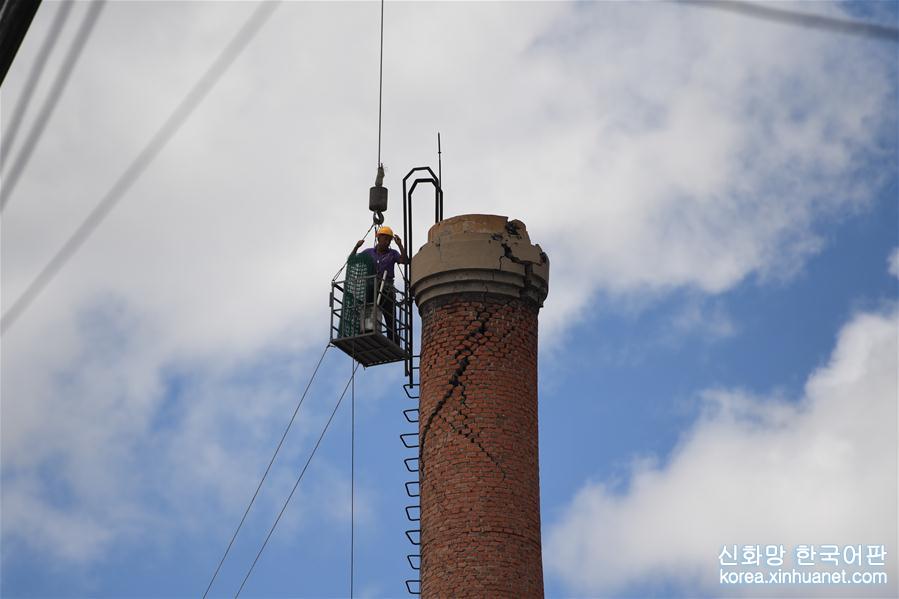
(367, 322)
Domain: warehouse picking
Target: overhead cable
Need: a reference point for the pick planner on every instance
(43, 117)
(297, 483)
(143, 160)
(267, 469)
(34, 74)
(801, 19)
(16, 17)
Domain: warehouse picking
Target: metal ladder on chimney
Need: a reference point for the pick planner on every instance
(422, 175)
(413, 488)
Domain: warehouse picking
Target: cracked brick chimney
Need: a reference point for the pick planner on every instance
(479, 283)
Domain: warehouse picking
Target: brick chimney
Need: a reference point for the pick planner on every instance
(479, 283)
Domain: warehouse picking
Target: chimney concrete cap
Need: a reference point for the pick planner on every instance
(481, 253)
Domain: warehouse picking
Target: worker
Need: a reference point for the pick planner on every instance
(385, 259)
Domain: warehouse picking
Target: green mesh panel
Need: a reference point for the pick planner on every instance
(358, 290)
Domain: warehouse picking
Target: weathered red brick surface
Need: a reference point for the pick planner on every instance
(480, 490)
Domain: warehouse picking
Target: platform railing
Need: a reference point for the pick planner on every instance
(367, 320)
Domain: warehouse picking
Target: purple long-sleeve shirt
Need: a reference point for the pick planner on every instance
(384, 263)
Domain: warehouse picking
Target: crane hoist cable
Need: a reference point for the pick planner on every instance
(381, 88)
(377, 195)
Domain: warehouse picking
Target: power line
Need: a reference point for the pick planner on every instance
(800, 19)
(143, 160)
(299, 478)
(15, 19)
(265, 474)
(15, 171)
(34, 74)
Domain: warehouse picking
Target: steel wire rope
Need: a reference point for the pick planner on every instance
(297, 483)
(18, 114)
(345, 262)
(267, 470)
(59, 85)
(380, 82)
(174, 122)
(353, 470)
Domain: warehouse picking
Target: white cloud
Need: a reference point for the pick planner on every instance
(893, 262)
(52, 529)
(647, 148)
(709, 320)
(752, 470)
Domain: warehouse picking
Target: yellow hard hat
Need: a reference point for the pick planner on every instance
(384, 231)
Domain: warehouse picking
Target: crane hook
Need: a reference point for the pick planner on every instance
(377, 197)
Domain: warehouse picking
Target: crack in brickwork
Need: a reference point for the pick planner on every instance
(480, 528)
(463, 354)
(478, 442)
(508, 254)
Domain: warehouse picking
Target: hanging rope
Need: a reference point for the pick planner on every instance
(352, 470)
(267, 469)
(297, 483)
(348, 258)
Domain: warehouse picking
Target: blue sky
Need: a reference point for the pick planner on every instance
(717, 195)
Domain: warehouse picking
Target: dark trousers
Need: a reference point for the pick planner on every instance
(387, 304)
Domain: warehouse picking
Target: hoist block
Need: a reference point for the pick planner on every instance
(377, 199)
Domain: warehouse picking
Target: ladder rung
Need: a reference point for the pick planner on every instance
(410, 468)
(413, 532)
(417, 492)
(409, 588)
(414, 560)
(413, 517)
